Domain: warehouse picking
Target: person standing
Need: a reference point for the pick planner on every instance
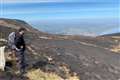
(17, 44)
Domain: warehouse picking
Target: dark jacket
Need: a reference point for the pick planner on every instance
(19, 41)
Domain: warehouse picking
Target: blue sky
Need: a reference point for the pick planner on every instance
(64, 12)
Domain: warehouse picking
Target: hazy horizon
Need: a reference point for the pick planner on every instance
(87, 17)
(79, 27)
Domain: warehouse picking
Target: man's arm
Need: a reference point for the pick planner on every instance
(23, 44)
(17, 42)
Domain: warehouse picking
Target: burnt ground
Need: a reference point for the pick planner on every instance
(89, 61)
(89, 57)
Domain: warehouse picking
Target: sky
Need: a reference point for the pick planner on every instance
(66, 16)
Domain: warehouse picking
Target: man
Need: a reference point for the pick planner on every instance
(17, 44)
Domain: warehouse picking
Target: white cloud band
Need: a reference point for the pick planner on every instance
(29, 1)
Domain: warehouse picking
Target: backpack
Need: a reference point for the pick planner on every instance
(11, 40)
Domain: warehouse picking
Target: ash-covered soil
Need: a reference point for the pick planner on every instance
(90, 57)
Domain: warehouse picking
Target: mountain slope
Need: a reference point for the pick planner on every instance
(114, 34)
(86, 57)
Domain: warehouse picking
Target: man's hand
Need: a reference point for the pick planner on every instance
(17, 49)
(22, 47)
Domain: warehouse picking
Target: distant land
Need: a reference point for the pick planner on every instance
(78, 27)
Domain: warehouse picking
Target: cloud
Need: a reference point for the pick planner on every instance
(29, 1)
(35, 1)
(79, 31)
